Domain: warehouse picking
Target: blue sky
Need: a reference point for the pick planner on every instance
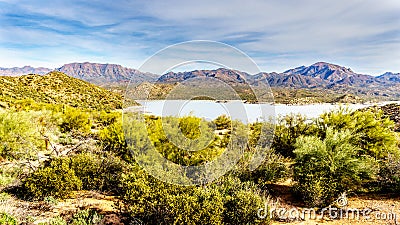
(361, 34)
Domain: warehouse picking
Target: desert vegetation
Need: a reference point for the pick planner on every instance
(54, 153)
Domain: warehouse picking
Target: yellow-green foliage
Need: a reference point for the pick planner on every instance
(223, 122)
(112, 138)
(370, 131)
(60, 176)
(19, 134)
(55, 178)
(327, 167)
(75, 120)
(287, 130)
(162, 130)
(227, 201)
(55, 221)
(57, 88)
(107, 118)
(97, 172)
(6, 219)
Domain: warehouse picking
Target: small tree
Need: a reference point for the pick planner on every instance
(369, 130)
(325, 168)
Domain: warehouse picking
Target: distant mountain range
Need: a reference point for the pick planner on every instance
(318, 75)
(18, 71)
(92, 72)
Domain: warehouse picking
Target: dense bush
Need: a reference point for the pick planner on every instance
(326, 168)
(107, 118)
(7, 219)
(163, 134)
(88, 171)
(241, 200)
(97, 172)
(113, 140)
(19, 135)
(55, 178)
(227, 201)
(272, 169)
(223, 122)
(242, 207)
(197, 206)
(75, 120)
(287, 130)
(389, 175)
(370, 131)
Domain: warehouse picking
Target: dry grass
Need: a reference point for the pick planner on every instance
(34, 212)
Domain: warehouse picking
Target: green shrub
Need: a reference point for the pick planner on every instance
(227, 201)
(6, 219)
(146, 198)
(326, 168)
(370, 131)
(75, 120)
(86, 217)
(5, 179)
(190, 127)
(55, 221)
(389, 175)
(162, 133)
(113, 140)
(272, 169)
(242, 200)
(55, 178)
(97, 172)
(223, 122)
(108, 118)
(199, 206)
(19, 135)
(287, 130)
(242, 208)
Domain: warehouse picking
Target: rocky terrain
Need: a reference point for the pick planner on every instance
(393, 112)
(105, 73)
(56, 88)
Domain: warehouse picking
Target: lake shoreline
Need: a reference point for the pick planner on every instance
(238, 109)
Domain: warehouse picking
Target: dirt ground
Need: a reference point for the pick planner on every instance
(361, 209)
(41, 211)
(381, 209)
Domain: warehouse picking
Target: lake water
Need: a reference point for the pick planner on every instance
(236, 109)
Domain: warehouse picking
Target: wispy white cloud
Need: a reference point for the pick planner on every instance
(362, 34)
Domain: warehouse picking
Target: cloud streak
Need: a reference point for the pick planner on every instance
(364, 35)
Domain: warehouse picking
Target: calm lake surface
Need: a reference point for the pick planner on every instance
(236, 109)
